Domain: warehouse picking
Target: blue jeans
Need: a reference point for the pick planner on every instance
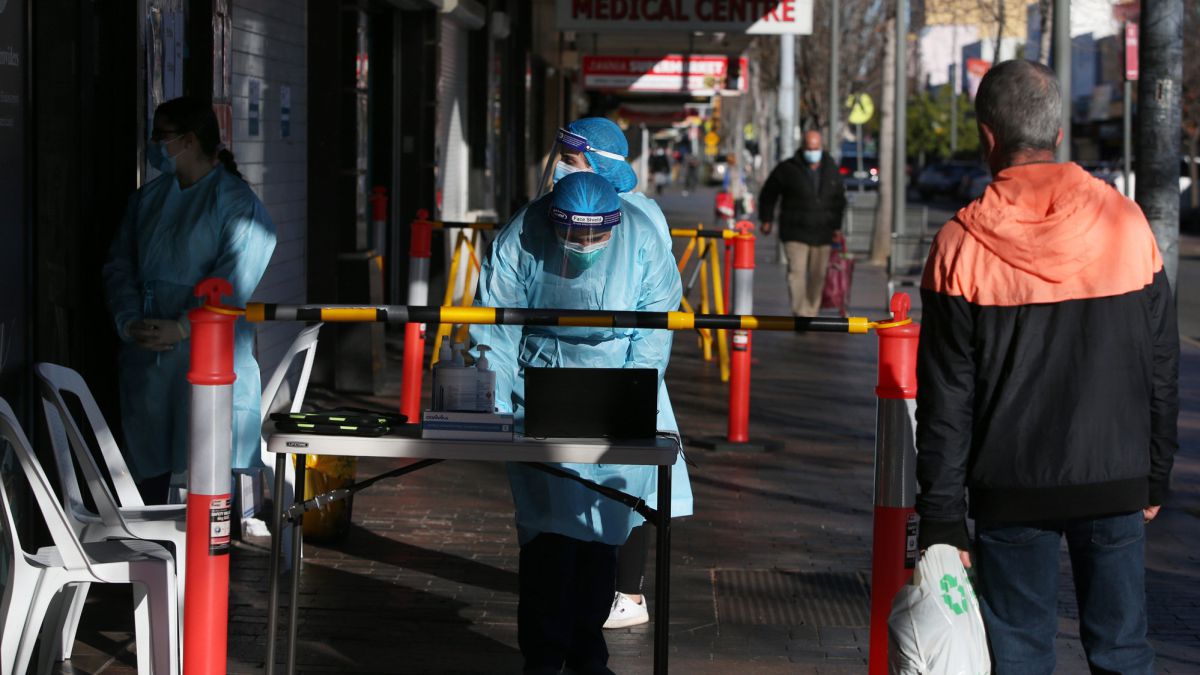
(1017, 568)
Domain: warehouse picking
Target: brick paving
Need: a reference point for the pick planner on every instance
(425, 582)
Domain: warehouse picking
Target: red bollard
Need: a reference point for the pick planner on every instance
(739, 365)
(419, 252)
(379, 209)
(894, 548)
(209, 503)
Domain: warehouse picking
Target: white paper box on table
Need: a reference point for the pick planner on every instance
(467, 426)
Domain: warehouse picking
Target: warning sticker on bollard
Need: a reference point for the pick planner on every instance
(220, 510)
(910, 543)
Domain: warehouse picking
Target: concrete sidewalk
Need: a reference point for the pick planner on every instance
(770, 576)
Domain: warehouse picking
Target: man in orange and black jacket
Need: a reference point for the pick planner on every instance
(1048, 370)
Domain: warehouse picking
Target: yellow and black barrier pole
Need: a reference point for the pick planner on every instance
(511, 316)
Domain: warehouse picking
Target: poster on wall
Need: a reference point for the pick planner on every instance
(14, 231)
(165, 44)
(285, 111)
(253, 107)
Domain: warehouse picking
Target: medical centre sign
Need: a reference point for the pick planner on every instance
(755, 17)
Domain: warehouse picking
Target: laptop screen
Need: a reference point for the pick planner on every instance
(591, 402)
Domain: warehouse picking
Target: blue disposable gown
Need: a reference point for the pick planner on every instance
(653, 214)
(526, 268)
(169, 240)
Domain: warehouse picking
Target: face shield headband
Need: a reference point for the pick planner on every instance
(593, 222)
(571, 141)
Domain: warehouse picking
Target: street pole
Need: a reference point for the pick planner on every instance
(858, 139)
(1127, 169)
(954, 107)
(1160, 63)
(1062, 68)
(787, 96)
(900, 118)
(835, 49)
(644, 160)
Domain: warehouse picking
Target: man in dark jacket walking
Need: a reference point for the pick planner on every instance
(1048, 369)
(813, 200)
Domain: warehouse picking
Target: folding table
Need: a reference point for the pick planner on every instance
(407, 444)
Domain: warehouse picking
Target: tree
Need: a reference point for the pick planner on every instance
(929, 124)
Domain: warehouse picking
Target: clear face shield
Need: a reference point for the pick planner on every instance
(567, 156)
(583, 236)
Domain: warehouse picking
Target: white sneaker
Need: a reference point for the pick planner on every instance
(625, 612)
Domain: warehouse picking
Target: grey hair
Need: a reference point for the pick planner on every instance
(1021, 102)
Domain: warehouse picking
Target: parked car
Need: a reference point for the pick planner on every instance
(944, 178)
(977, 186)
(867, 179)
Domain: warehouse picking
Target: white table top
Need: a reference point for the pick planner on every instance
(409, 445)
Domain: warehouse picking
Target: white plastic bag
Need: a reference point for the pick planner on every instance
(935, 627)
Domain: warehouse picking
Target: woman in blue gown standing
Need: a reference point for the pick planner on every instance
(197, 219)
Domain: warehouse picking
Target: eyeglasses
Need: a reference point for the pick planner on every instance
(580, 144)
(158, 135)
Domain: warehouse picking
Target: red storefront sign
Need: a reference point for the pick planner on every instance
(667, 73)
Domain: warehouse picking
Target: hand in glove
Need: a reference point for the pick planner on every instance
(157, 335)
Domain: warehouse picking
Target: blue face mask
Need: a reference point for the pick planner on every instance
(156, 154)
(562, 170)
(812, 156)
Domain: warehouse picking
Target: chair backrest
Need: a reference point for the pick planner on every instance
(69, 548)
(306, 343)
(65, 440)
(56, 379)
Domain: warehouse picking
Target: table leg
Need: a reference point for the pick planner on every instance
(297, 537)
(276, 544)
(662, 573)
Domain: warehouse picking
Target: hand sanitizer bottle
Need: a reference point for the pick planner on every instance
(485, 383)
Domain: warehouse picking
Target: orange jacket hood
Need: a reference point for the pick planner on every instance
(1043, 233)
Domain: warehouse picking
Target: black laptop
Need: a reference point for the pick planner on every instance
(591, 402)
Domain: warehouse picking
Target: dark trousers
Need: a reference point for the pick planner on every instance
(631, 561)
(565, 595)
(1017, 564)
(155, 489)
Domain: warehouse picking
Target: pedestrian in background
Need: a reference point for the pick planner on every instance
(811, 197)
(197, 219)
(660, 168)
(1049, 365)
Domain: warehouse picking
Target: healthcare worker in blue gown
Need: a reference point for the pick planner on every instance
(580, 247)
(197, 219)
(598, 145)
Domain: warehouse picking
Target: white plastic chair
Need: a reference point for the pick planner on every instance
(35, 588)
(128, 518)
(305, 343)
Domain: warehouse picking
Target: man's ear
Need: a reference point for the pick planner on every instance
(988, 138)
(1059, 138)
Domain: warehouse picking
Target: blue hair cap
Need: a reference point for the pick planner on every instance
(585, 193)
(604, 134)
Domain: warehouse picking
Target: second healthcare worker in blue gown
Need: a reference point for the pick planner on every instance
(581, 247)
(197, 219)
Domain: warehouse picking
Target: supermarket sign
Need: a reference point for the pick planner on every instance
(755, 17)
(670, 73)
